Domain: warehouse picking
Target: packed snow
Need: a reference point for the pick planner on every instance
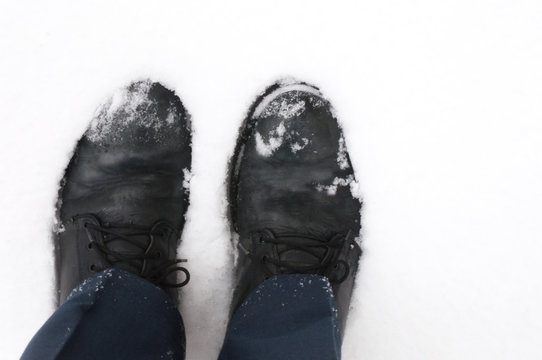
(284, 109)
(440, 102)
(276, 138)
(128, 105)
(285, 101)
(342, 158)
(332, 188)
(288, 103)
(296, 146)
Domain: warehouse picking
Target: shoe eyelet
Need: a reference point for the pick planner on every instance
(90, 246)
(264, 259)
(92, 268)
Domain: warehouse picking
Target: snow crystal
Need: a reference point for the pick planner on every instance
(171, 117)
(297, 146)
(355, 189)
(317, 102)
(59, 229)
(286, 103)
(332, 189)
(271, 105)
(126, 106)
(58, 226)
(280, 129)
(285, 109)
(187, 177)
(276, 137)
(342, 159)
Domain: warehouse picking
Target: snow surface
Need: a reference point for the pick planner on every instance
(441, 103)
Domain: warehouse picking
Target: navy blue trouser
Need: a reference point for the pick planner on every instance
(117, 315)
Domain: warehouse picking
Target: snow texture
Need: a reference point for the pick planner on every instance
(128, 105)
(296, 146)
(284, 109)
(342, 158)
(441, 107)
(187, 177)
(286, 103)
(331, 189)
(276, 137)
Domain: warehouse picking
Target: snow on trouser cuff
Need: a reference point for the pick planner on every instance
(285, 317)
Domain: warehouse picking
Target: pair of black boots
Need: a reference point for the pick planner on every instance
(291, 191)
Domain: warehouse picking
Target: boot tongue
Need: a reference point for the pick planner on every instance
(305, 252)
(135, 247)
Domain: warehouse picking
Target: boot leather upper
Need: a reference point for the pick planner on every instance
(128, 170)
(291, 174)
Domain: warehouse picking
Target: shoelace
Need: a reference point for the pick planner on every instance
(322, 251)
(138, 260)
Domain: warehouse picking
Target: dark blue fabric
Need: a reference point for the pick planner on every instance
(285, 317)
(117, 315)
(113, 315)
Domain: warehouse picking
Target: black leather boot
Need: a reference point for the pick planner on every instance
(291, 194)
(124, 194)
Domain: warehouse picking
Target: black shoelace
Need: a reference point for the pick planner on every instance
(143, 251)
(322, 253)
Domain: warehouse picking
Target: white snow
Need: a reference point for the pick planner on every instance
(331, 189)
(276, 138)
(296, 146)
(280, 129)
(342, 159)
(128, 104)
(272, 103)
(441, 107)
(284, 109)
(187, 177)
